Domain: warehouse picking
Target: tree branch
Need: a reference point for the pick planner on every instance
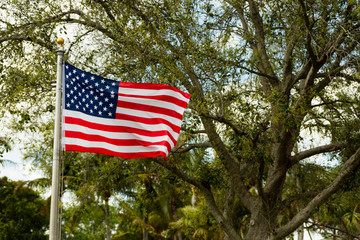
(229, 161)
(209, 198)
(240, 10)
(330, 103)
(322, 225)
(288, 64)
(305, 213)
(349, 77)
(225, 121)
(260, 50)
(300, 196)
(107, 10)
(224, 223)
(184, 176)
(181, 149)
(308, 35)
(314, 151)
(59, 18)
(261, 74)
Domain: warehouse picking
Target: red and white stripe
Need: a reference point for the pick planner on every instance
(147, 123)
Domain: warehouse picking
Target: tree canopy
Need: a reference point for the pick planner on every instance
(267, 79)
(23, 213)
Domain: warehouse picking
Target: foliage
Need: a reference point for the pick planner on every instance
(341, 214)
(196, 223)
(267, 78)
(23, 213)
(85, 221)
(4, 147)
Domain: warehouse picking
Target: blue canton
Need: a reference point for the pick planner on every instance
(90, 94)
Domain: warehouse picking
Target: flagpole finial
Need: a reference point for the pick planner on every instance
(60, 41)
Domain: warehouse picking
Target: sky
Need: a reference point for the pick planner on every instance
(19, 169)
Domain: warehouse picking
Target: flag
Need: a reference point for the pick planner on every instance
(128, 120)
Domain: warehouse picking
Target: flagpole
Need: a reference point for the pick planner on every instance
(54, 207)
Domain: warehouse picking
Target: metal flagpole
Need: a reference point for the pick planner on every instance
(54, 207)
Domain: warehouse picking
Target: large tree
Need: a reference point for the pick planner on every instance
(262, 74)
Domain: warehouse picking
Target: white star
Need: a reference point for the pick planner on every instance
(68, 105)
(106, 99)
(109, 113)
(107, 87)
(102, 81)
(92, 78)
(83, 74)
(77, 106)
(96, 98)
(100, 103)
(91, 111)
(111, 105)
(96, 84)
(91, 92)
(100, 112)
(95, 107)
(105, 109)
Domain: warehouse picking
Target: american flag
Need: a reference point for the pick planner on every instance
(128, 120)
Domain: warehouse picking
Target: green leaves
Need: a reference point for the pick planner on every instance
(263, 75)
(4, 147)
(24, 215)
(195, 223)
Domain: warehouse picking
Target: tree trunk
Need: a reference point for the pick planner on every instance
(145, 231)
(300, 189)
(229, 208)
(145, 234)
(301, 233)
(260, 224)
(107, 219)
(258, 229)
(178, 236)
